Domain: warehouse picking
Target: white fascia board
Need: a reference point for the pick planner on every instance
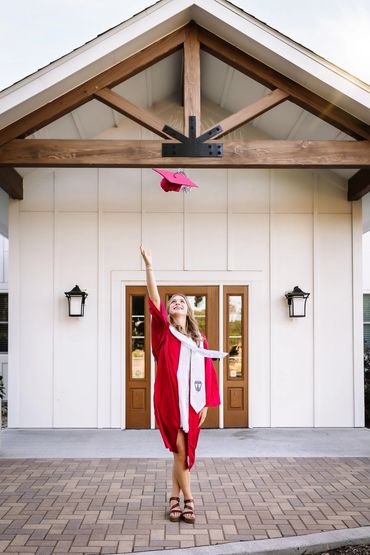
(92, 58)
(284, 55)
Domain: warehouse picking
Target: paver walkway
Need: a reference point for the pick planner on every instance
(118, 505)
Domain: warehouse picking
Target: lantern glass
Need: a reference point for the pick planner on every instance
(76, 305)
(298, 306)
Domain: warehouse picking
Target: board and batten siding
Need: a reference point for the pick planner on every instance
(78, 226)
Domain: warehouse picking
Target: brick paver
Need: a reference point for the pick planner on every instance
(92, 506)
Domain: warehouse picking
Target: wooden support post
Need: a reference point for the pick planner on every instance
(191, 78)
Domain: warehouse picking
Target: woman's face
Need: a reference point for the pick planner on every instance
(178, 306)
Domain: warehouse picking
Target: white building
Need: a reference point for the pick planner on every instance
(236, 245)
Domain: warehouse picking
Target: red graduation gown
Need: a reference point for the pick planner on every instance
(166, 350)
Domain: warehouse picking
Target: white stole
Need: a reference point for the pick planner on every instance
(191, 361)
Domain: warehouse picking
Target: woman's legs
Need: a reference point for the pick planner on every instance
(181, 474)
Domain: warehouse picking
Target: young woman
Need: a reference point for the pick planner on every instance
(185, 385)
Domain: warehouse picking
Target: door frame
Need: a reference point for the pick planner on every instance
(119, 281)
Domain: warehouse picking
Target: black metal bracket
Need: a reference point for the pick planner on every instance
(192, 145)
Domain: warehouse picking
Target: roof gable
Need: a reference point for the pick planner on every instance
(218, 16)
(116, 66)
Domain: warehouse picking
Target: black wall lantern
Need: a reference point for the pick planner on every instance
(76, 301)
(297, 300)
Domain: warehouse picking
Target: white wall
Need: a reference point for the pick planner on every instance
(366, 213)
(4, 201)
(366, 262)
(4, 260)
(78, 226)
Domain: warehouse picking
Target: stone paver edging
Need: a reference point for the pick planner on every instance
(310, 543)
(106, 506)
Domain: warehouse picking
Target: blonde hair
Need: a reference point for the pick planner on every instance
(191, 326)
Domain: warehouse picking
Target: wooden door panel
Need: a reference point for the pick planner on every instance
(236, 364)
(137, 358)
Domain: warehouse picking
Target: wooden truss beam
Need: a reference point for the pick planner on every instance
(11, 182)
(143, 154)
(250, 112)
(85, 92)
(191, 78)
(132, 111)
(273, 79)
(193, 38)
(359, 185)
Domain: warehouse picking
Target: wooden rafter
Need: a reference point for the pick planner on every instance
(273, 79)
(191, 78)
(85, 92)
(132, 111)
(359, 185)
(11, 182)
(250, 112)
(127, 153)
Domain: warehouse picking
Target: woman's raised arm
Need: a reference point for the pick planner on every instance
(150, 279)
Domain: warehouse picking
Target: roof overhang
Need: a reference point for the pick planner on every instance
(218, 16)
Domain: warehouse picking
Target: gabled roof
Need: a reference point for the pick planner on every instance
(218, 16)
(202, 52)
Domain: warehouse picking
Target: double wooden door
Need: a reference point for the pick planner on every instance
(205, 304)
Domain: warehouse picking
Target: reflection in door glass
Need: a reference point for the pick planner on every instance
(198, 304)
(137, 337)
(235, 340)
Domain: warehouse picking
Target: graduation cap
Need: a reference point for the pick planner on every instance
(175, 181)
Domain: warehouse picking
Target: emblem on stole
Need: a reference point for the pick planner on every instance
(197, 385)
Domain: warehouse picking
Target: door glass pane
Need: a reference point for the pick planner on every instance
(137, 337)
(367, 308)
(3, 307)
(199, 304)
(235, 339)
(367, 337)
(137, 326)
(3, 338)
(138, 305)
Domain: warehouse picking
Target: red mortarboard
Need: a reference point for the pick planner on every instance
(174, 181)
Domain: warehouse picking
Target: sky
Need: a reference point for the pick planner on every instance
(34, 33)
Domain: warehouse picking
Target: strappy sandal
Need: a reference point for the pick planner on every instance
(175, 509)
(188, 511)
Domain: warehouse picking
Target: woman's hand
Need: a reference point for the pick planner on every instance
(202, 416)
(147, 256)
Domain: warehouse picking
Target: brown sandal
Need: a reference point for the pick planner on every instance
(188, 511)
(175, 509)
